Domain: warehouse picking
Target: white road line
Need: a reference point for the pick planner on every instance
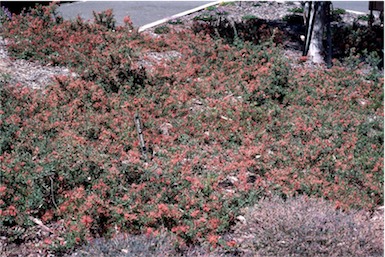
(356, 12)
(158, 22)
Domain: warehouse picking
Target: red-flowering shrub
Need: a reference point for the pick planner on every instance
(224, 125)
(93, 50)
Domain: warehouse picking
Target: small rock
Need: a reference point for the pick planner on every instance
(232, 179)
(126, 162)
(225, 118)
(230, 191)
(164, 129)
(362, 102)
(241, 219)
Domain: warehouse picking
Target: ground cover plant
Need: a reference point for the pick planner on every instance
(224, 125)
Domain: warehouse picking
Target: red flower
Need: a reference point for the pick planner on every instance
(214, 223)
(2, 189)
(127, 20)
(87, 220)
(48, 215)
(149, 231)
(213, 239)
(303, 58)
(47, 241)
(180, 229)
(12, 210)
(231, 243)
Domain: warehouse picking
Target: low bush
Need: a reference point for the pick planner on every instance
(296, 10)
(249, 17)
(93, 50)
(225, 125)
(250, 29)
(125, 245)
(306, 227)
(162, 30)
(358, 40)
(129, 245)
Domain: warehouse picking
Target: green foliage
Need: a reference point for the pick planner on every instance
(359, 41)
(162, 29)
(364, 17)
(211, 8)
(249, 17)
(296, 10)
(338, 11)
(175, 21)
(105, 18)
(205, 17)
(224, 3)
(250, 29)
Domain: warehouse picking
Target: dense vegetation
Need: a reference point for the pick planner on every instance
(225, 124)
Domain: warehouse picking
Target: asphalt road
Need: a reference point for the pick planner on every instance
(140, 12)
(358, 6)
(144, 12)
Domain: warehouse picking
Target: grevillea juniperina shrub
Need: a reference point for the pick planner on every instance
(95, 51)
(241, 123)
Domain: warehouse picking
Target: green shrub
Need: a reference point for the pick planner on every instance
(162, 30)
(105, 18)
(205, 17)
(364, 17)
(296, 10)
(211, 8)
(224, 3)
(338, 11)
(249, 17)
(175, 21)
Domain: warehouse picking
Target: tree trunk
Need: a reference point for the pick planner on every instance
(316, 49)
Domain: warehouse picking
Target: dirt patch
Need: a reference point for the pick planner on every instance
(27, 73)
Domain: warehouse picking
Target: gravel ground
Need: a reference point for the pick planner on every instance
(27, 73)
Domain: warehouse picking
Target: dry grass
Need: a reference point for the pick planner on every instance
(308, 227)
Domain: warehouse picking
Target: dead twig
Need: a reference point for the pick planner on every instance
(52, 194)
(138, 124)
(40, 224)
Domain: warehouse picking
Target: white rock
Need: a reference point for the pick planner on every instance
(241, 219)
(232, 179)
